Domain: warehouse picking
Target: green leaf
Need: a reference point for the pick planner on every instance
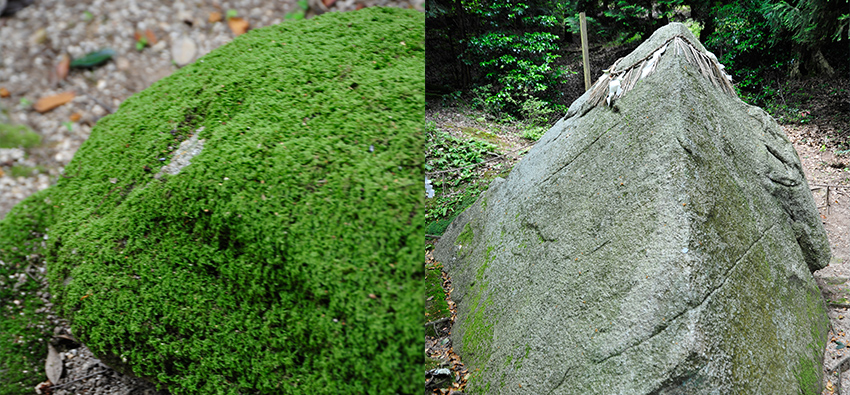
(93, 59)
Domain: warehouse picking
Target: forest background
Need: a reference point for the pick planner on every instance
(507, 67)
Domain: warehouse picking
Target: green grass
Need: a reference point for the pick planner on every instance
(253, 269)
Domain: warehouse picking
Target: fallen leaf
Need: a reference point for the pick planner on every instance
(53, 366)
(214, 17)
(63, 67)
(39, 37)
(430, 298)
(137, 36)
(4, 92)
(151, 37)
(48, 103)
(93, 59)
(238, 25)
(328, 3)
(75, 117)
(373, 296)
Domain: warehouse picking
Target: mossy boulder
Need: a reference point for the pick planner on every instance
(660, 245)
(253, 223)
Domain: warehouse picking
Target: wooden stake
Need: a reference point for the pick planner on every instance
(584, 55)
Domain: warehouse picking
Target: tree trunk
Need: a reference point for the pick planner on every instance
(821, 66)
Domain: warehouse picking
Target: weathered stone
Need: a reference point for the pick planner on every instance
(659, 246)
(229, 230)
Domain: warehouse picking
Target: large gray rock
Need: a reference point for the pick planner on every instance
(659, 246)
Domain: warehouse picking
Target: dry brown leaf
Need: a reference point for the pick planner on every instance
(48, 103)
(75, 117)
(238, 25)
(328, 3)
(151, 37)
(137, 36)
(214, 17)
(63, 67)
(39, 37)
(53, 366)
(373, 296)
(4, 92)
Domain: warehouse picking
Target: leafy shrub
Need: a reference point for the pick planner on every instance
(743, 44)
(515, 52)
(444, 152)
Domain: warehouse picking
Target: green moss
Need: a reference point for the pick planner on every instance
(22, 354)
(436, 306)
(478, 326)
(808, 377)
(481, 135)
(251, 270)
(466, 235)
(25, 171)
(17, 136)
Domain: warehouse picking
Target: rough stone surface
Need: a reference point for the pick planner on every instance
(661, 246)
(282, 258)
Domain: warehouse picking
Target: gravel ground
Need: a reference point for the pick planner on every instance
(34, 40)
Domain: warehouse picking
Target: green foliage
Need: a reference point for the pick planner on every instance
(625, 20)
(299, 12)
(440, 212)
(251, 270)
(515, 51)
(444, 151)
(808, 22)
(742, 42)
(141, 43)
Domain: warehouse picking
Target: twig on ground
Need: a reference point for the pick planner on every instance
(102, 104)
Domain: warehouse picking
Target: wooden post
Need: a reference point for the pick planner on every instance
(584, 54)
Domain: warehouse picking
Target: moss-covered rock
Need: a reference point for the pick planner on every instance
(222, 232)
(661, 245)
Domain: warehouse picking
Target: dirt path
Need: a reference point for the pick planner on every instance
(829, 178)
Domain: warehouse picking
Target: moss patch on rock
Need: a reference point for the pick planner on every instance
(250, 270)
(24, 329)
